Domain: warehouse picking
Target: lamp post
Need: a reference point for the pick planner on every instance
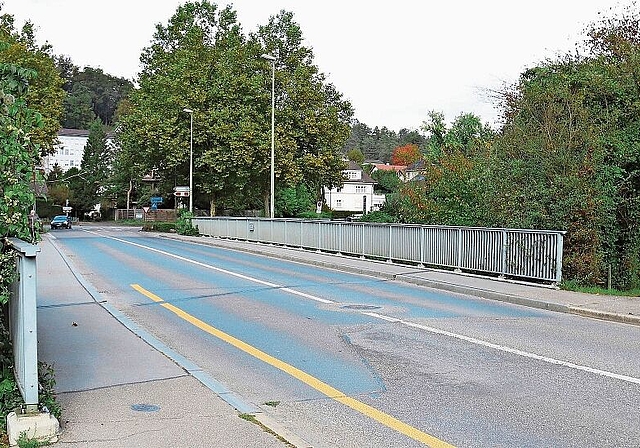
(190, 112)
(272, 59)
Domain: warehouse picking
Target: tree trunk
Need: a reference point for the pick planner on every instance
(266, 204)
(212, 205)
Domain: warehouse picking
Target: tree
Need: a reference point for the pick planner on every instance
(356, 155)
(105, 91)
(568, 156)
(201, 60)
(94, 170)
(406, 155)
(78, 108)
(388, 181)
(312, 118)
(468, 135)
(18, 156)
(436, 129)
(45, 94)
(295, 201)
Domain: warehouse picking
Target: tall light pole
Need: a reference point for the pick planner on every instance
(190, 112)
(272, 59)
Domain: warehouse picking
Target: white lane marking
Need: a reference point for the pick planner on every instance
(433, 330)
(503, 348)
(224, 271)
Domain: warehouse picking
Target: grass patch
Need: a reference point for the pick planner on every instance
(273, 404)
(252, 418)
(25, 442)
(573, 286)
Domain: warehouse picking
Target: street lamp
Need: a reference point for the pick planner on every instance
(272, 59)
(190, 112)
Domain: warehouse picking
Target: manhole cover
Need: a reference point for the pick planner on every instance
(142, 407)
(362, 307)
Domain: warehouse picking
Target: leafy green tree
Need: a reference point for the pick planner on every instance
(436, 130)
(94, 170)
(45, 94)
(78, 108)
(19, 153)
(568, 156)
(388, 181)
(200, 60)
(203, 62)
(468, 134)
(18, 156)
(295, 201)
(356, 155)
(312, 118)
(90, 93)
(106, 91)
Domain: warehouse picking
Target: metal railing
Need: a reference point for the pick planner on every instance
(23, 323)
(517, 253)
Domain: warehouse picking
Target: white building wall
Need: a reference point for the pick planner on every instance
(351, 198)
(68, 153)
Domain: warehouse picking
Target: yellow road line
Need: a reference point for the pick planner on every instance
(309, 380)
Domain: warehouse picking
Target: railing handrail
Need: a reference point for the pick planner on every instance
(520, 253)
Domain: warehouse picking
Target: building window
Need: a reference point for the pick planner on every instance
(338, 203)
(361, 188)
(353, 175)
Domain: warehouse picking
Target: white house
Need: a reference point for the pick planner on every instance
(356, 194)
(69, 150)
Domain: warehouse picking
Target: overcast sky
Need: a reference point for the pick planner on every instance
(394, 60)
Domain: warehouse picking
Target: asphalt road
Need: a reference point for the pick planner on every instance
(345, 360)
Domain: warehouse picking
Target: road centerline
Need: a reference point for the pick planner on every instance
(311, 381)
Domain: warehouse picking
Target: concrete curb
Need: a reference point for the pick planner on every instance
(605, 315)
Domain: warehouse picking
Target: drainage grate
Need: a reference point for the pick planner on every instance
(361, 307)
(142, 407)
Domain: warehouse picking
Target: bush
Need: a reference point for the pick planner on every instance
(166, 227)
(184, 226)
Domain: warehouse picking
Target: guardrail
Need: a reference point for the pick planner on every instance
(517, 253)
(23, 328)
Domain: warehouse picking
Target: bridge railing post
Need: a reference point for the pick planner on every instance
(23, 322)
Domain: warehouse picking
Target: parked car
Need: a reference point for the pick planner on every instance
(61, 221)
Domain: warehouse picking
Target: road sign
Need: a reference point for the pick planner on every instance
(156, 200)
(67, 209)
(180, 188)
(181, 193)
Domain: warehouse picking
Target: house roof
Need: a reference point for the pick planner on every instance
(366, 179)
(387, 167)
(73, 133)
(65, 132)
(417, 166)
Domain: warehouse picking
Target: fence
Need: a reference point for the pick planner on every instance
(517, 253)
(23, 324)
